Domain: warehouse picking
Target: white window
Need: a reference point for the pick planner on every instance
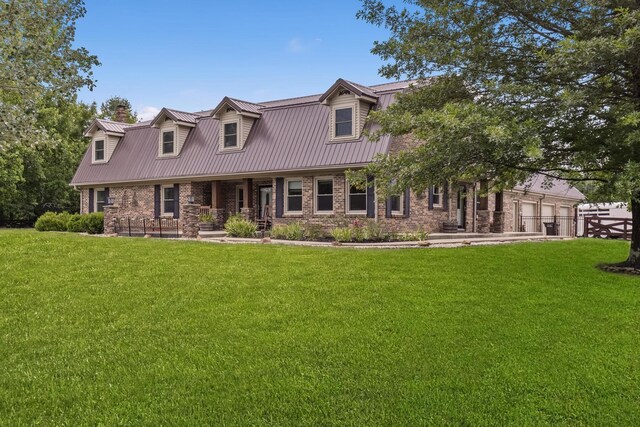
(100, 200)
(343, 122)
(98, 150)
(168, 200)
(293, 197)
(168, 144)
(239, 198)
(396, 204)
(230, 135)
(324, 195)
(437, 196)
(357, 200)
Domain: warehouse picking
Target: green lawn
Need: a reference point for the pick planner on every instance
(156, 332)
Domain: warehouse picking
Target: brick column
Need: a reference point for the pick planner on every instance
(218, 218)
(484, 218)
(248, 213)
(498, 222)
(190, 221)
(110, 216)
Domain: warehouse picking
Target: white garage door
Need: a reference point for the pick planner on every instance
(566, 221)
(548, 210)
(529, 220)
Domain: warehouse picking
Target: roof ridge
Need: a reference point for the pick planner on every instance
(248, 102)
(180, 111)
(114, 121)
(290, 99)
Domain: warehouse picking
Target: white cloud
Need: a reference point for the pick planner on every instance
(299, 45)
(147, 113)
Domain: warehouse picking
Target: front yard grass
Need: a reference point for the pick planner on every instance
(155, 332)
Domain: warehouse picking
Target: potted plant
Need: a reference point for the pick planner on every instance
(205, 222)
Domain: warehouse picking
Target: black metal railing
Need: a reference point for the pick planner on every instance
(548, 225)
(155, 227)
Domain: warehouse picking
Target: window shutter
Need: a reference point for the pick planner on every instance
(90, 200)
(445, 196)
(430, 197)
(156, 202)
(371, 198)
(279, 197)
(407, 200)
(176, 201)
(387, 212)
(106, 195)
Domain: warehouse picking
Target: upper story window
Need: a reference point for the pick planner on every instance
(324, 195)
(294, 195)
(437, 196)
(344, 122)
(357, 200)
(98, 150)
(231, 135)
(168, 142)
(168, 200)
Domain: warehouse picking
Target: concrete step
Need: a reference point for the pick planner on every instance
(463, 235)
(213, 234)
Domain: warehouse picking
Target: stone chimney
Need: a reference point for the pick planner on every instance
(121, 114)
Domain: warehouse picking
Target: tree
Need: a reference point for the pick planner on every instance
(108, 109)
(549, 87)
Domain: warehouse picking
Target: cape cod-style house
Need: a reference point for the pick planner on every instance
(286, 159)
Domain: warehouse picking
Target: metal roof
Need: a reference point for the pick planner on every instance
(291, 135)
(555, 187)
(107, 126)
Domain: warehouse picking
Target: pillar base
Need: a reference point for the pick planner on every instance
(189, 219)
(497, 226)
(484, 221)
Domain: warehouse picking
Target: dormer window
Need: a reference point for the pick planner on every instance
(98, 155)
(344, 122)
(168, 142)
(231, 135)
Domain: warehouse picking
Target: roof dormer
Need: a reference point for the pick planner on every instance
(174, 127)
(236, 120)
(105, 135)
(350, 104)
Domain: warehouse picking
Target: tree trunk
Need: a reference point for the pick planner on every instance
(634, 251)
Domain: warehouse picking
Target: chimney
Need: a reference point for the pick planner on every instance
(121, 114)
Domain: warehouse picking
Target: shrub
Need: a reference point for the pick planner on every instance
(51, 221)
(93, 223)
(358, 231)
(314, 231)
(341, 234)
(236, 226)
(205, 218)
(295, 231)
(373, 231)
(75, 224)
(279, 232)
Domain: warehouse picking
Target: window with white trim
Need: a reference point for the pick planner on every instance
(239, 198)
(168, 200)
(100, 200)
(396, 204)
(437, 196)
(293, 197)
(98, 150)
(324, 195)
(357, 200)
(343, 122)
(168, 142)
(230, 135)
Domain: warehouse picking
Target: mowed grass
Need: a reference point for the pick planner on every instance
(104, 331)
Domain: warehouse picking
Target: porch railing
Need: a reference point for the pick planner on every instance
(606, 227)
(204, 210)
(156, 227)
(548, 225)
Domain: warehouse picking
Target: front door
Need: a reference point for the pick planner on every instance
(264, 199)
(462, 206)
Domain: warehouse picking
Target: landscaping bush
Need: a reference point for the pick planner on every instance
(313, 231)
(51, 221)
(295, 231)
(236, 226)
(93, 223)
(279, 231)
(341, 234)
(75, 224)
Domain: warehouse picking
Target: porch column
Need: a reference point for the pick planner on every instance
(190, 229)
(498, 215)
(248, 210)
(217, 205)
(484, 215)
(110, 218)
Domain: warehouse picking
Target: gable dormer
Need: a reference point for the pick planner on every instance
(236, 120)
(105, 135)
(350, 104)
(174, 128)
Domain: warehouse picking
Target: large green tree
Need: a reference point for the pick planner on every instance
(108, 109)
(549, 87)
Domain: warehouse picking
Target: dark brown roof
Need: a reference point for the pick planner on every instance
(291, 135)
(238, 105)
(554, 187)
(353, 87)
(107, 126)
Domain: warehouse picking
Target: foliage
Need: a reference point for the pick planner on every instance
(75, 224)
(409, 337)
(523, 87)
(294, 231)
(237, 226)
(279, 231)
(314, 231)
(108, 109)
(205, 217)
(341, 234)
(51, 221)
(93, 223)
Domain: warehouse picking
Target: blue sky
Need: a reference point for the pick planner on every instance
(189, 54)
